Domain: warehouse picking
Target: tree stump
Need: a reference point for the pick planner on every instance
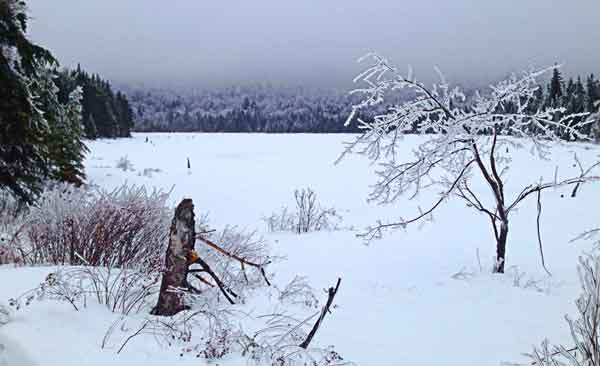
(181, 244)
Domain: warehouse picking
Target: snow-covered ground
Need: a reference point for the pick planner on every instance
(424, 296)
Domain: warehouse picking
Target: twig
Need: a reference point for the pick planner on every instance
(132, 336)
(558, 353)
(539, 235)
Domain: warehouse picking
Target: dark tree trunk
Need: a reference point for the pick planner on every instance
(181, 244)
(501, 247)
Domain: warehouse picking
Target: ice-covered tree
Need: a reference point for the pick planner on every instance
(464, 142)
(65, 149)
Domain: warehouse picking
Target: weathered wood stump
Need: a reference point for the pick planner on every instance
(181, 244)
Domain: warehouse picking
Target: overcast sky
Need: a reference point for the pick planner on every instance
(208, 42)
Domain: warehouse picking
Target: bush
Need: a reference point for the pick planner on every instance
(585, 347)
(11, 214)
(124, 227)
(309, 215)
(121, 290)
(124, 163)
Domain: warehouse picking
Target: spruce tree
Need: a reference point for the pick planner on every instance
(593, 93)
(22, 125)
(555, 91)
(65, 148)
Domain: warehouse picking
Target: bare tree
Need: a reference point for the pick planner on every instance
(464, 140)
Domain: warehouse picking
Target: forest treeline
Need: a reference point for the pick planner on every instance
(253, 108)
(269, 109)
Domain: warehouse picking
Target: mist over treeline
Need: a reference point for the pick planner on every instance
(284, 109)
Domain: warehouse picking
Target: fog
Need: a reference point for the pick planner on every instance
(314, 42)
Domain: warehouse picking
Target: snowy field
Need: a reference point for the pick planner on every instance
(424, 296)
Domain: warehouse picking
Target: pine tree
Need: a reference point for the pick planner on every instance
(40, 124)
(22, 124)
(593, 94)
(106, 114)
(579, 96)
(65, 148)
(555, 91)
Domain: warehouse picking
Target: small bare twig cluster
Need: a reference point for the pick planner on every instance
(308, 216)
(124, 164)
(298, 292)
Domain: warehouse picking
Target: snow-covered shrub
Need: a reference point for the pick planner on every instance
(127, 226)
(124, 163)
(309, 215)
(298, 292)
(6, 253)
(585, 347)
(148, 172)
(58, 285)
(121, 290)
(11, 213)
(277, 343)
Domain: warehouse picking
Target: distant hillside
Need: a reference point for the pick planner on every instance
(241, 109)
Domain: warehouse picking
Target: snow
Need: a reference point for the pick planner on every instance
(424, 296)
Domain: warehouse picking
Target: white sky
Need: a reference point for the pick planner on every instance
(207, 42)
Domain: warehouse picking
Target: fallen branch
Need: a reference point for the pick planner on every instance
(243, 261)
(331, 292)
(206, 268)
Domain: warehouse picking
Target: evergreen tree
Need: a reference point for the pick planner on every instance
(593, 93)
(65, 148)
(40, 134)
(22, 124)
(555, 89)
(90, 126)
(106, 114)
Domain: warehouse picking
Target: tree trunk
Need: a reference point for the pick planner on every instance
(501, 247)
(181, 243)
